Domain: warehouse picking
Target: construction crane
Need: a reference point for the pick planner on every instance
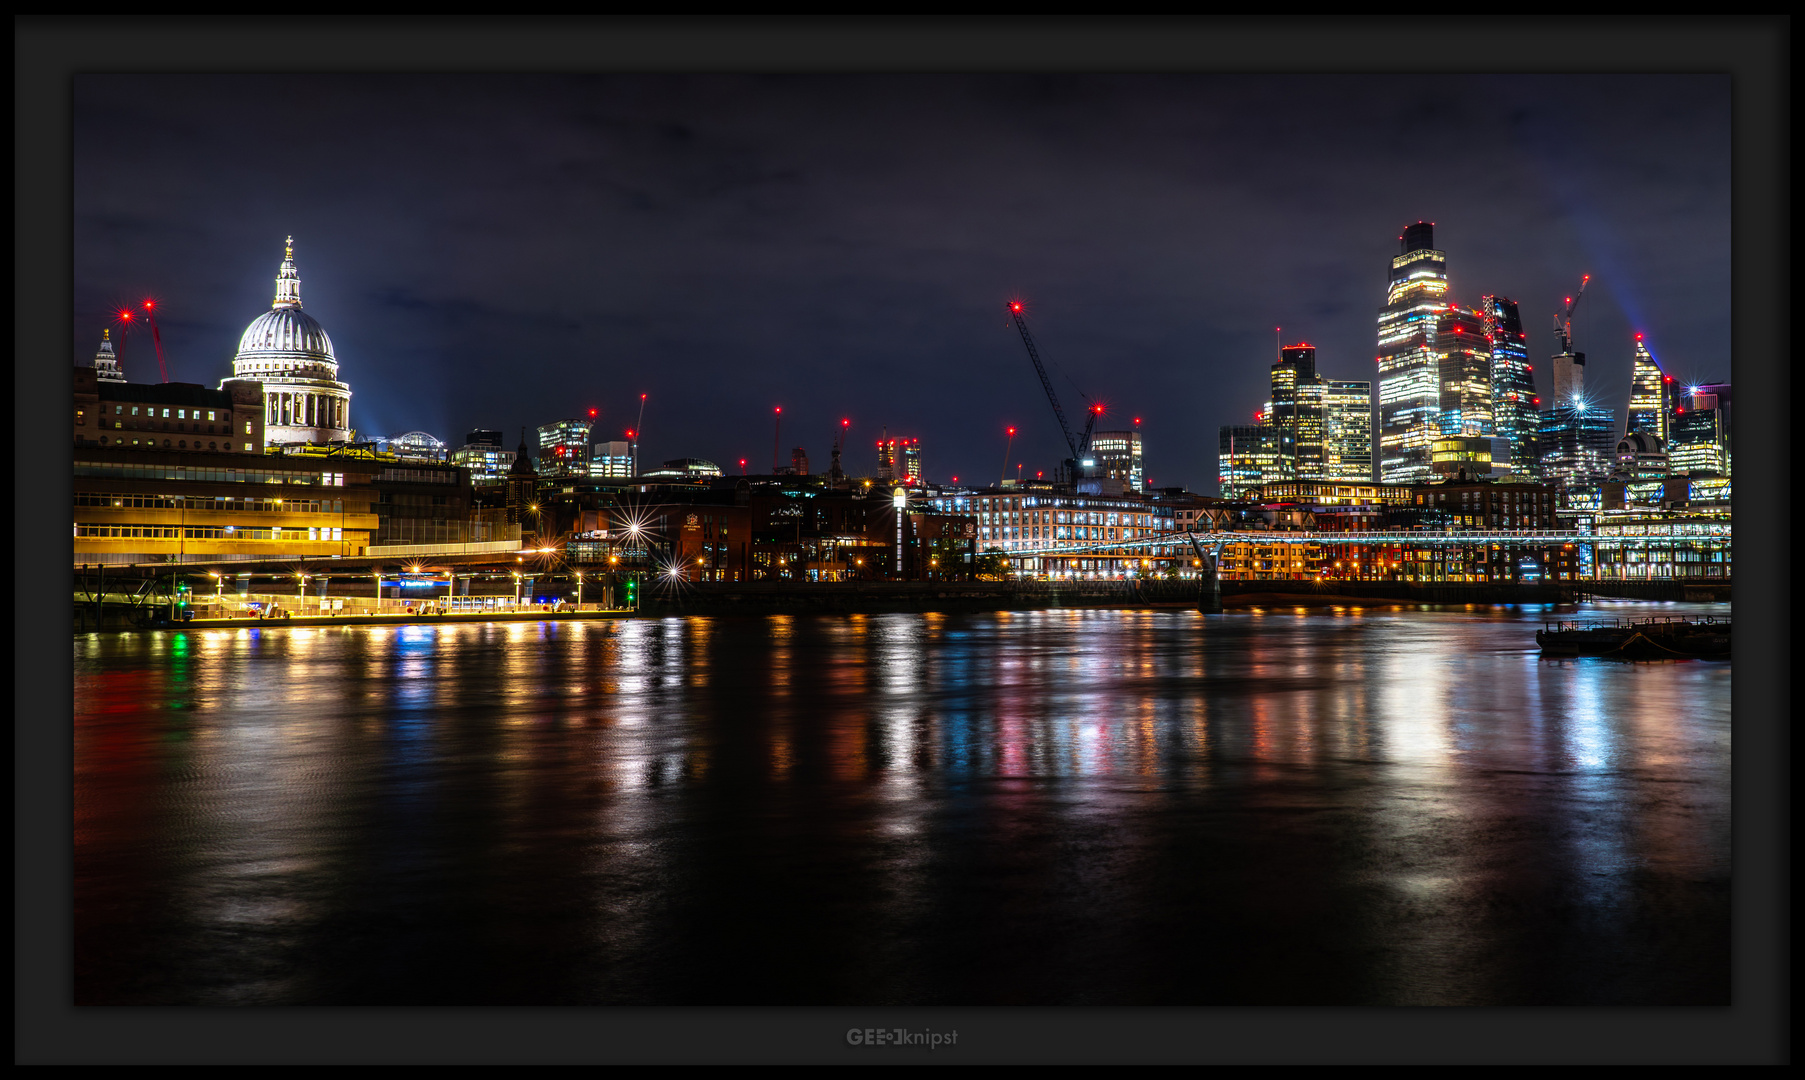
(1082, 444)
(1563, 322)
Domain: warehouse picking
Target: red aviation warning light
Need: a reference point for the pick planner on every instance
(592, 414)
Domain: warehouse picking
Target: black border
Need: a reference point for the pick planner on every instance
(1755, 52)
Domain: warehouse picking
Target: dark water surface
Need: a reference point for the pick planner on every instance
(1395, 806)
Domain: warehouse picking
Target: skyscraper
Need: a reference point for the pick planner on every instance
(1295, 411)
(1651, 396)
(1434, 362)
(1579, 443)
(1347, 429)
(1701, 432)
(1514, 400)
(1247, 456)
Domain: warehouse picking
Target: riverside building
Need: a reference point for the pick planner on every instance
(136, 507)
(1020, 521)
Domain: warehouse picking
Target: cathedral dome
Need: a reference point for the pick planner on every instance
(288, 353)
(287, 337)
(285, 341)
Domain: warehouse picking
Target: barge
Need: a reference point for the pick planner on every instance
(1662, 638)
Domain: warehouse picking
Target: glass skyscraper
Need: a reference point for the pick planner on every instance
(1347, 429)
(1651, 396)
(1434, 362)
(1579, 443)
(1514, 400)
(1247, 456)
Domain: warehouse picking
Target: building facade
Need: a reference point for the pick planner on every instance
(1579, 443)
(484, 457)
(135, 507)
(1017, 523)
(564, 448)
(1247, 456)
(288, 355)
(611, 460)
(1118, 457)
(178, 417)
(1347, 429)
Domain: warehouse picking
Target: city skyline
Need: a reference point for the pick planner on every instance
(708, 243)
(1749, 50)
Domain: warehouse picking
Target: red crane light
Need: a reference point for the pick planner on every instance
(1015, 306)
(592, 414)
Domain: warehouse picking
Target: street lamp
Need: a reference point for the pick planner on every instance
(579, 588)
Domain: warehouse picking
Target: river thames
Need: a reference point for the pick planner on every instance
(1341, 806)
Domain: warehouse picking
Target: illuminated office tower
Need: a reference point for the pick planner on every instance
(911, 461)
(1295, 411)
(1514, 400)
(1347, 430)
(564, 448)
(485, 457)
(1247, 456)
(1119, 458)
(1465, 362)
(1701, 432)
(611, 460)
(1410, 357)
(886, 460)
(1651, 396)
(1579, 443)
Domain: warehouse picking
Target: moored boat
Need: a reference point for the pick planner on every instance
(1664, 638)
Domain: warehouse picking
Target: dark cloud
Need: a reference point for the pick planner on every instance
(497, 251)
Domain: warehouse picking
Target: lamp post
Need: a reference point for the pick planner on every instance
(377, 574)
(579, 590)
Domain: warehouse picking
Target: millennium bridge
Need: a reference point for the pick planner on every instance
(1216, 540)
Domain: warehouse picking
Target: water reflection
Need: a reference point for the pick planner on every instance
(1060, 806)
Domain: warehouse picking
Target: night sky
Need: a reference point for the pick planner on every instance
(498, 251)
